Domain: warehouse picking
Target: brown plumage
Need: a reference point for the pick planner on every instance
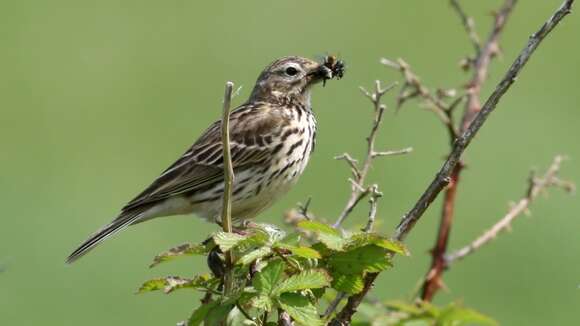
(272, 136)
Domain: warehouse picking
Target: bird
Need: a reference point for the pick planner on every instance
(272, 135)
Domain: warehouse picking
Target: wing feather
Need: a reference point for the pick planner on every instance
(202, 164)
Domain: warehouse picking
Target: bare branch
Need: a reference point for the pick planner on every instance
(413, 88)
(469, 25)
(395, 152)
(481, 63)
(358, 189)
(226, 217)
(352, 163)
(483, 56)
(375, 194)
(535, 188)
(442, 178)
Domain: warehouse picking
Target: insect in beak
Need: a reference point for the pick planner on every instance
(334, 68)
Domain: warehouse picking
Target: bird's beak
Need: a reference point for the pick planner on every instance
(319, 72)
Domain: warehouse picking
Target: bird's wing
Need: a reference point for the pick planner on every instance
(202, 165)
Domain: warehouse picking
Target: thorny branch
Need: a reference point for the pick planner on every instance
(469, 25)
(535, 188)
(358, 189)
(359, 174)
(443, 177)
(483, 56)
(414, 88)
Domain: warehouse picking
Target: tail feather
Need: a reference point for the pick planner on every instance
(121, 222)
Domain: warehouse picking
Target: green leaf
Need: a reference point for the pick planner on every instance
(402, 306)
(227, 241)
(351, 284)
(256, 238)
(253, 255)
(361, 239)
(318, 227)
(370, 258)
(455, 315)
(265, 280)
(329, 236)
(262, 302)
(331, 241)
(198, 316)
(218, 314)
(300, 308)
(186, 249)
(292, 239)
(172, 283)
(272, 231)
(301, 251)
(310, 279)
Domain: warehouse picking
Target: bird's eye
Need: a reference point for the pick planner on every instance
(291, 71)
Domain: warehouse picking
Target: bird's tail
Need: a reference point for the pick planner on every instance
(118, 224)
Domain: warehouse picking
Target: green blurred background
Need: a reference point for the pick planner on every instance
(97, 97)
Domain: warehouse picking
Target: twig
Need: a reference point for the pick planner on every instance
(443, 176)
(490, 49)
(375, 194)
(228, 183)
(392, 153)
(433, 281)
(413, 87)
(535, 188)
(469, 26)
(358, 189)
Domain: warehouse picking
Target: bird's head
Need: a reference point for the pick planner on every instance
(292, 77)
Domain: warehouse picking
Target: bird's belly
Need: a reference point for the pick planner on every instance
(256, 188)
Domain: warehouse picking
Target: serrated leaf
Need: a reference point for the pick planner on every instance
(456, 315)
(331, 241)
(412, 309)
(265, 280)
(310, 279)
(292, 239)
(361, 239)
(318, 227)
(301, 251)
(262, 302)
(218, 314)
(172, 283)
(300, 309)
(186, 249)
(329, 236)
(370, 258)
(351, 284)
(274, 233)
(256, 238)
(199, 314)
(253, 255)
(227, 241)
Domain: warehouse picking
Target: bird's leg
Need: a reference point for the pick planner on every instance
(242, 227)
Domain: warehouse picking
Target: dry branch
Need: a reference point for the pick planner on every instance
(226, 217)
(443, 177)
(535, 188)
(483, 57)
(359, 173)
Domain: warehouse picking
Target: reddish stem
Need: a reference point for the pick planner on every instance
(433, 280)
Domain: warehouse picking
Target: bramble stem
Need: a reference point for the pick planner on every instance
(228, 183)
